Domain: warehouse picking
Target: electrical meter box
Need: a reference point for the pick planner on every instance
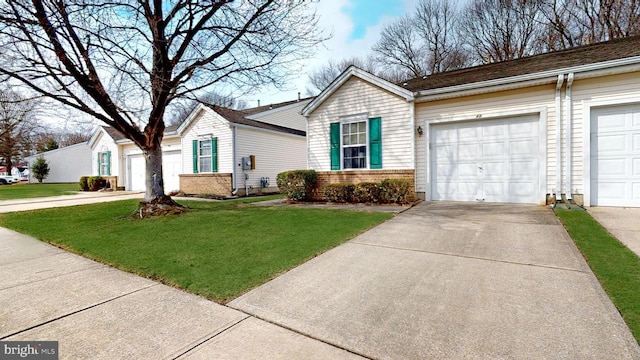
(249, 162)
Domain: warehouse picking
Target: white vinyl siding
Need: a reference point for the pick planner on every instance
(66, 164)
(287, 116)
(274, 153)
(204, 126)
(356, 96)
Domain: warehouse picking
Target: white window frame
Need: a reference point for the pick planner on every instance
(357, 118)
(209, 162)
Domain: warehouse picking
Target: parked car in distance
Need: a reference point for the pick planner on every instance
(6, 180)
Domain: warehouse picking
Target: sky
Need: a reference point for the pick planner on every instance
(355, 24)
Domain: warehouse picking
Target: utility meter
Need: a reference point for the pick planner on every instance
(248, 163)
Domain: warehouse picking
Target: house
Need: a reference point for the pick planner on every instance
(66, 164)
(228, 151)
(561, 125)
(118, 158)
(204, 153)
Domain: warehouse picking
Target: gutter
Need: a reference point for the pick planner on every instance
(558, 189)
(613, 67)
(569, 134)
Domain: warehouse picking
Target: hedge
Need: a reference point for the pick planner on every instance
(297, 184)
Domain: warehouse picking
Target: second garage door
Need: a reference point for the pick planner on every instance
(493, 161)
(171, 161)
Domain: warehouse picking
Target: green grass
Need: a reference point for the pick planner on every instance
(616, 267)
(24, 191)
(217, 250)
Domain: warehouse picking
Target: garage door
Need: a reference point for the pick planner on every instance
(170, 167)
(493, 161)
(136, 168)
(615, 156)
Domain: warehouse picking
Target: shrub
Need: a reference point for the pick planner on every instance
(40, 169)
(397, 191)
(96, 183)
(366, 192)
(84, 183)
(339, 193)
(297, 184)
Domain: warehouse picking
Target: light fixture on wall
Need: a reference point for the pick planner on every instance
(419, 129)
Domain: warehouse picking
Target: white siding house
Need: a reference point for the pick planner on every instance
(562, 125)
(66, 164)
(215, 140)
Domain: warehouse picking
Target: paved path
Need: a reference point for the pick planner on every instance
(623, 223)
(440, 280)
(452, 281)
(81, 198)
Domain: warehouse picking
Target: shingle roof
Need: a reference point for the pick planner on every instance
(582, 55)
(117, 135)
(259, 109)
(238, 117)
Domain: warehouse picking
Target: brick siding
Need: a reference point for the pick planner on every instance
(358, 176)
(211, 184)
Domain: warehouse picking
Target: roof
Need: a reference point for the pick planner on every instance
(577, 56)
(239, 117)
(117, 135)
(259, 109)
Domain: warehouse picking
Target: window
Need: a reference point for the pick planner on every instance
(356, 143)
(205, 155)
(104, 163)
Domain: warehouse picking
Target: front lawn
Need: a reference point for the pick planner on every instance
(616, 267)
(24, 191)
(217, 250)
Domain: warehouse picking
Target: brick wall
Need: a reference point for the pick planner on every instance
(354, 177)
(212, 184)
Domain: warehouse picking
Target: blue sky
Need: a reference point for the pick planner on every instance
(367, 13)
(355, 25)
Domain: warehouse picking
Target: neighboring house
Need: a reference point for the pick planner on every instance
(113, 155)
(532, 130)
(203, 155)
(66, 164)
(216, 140)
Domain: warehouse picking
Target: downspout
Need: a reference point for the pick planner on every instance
(234, 188)
(558, 189)
(569, 142)
(412, 115)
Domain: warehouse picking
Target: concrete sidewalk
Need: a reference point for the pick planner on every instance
(623, 223)
(452, 281)
(81, 198)
(97, 312)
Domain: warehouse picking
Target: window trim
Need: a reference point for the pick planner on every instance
(354, 120)
(204, 157)
(107, 163)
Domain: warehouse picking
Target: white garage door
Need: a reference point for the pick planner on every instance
(170, 168)
(136, 169)
(615, 156)
(493, 161)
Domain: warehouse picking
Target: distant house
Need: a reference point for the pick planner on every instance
(564, 125)
(66, 164)
(203, 155)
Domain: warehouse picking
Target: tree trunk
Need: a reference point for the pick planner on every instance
(154, 182)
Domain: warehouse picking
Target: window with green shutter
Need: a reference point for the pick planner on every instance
(104, 163)
(356, 143)
(205, 155)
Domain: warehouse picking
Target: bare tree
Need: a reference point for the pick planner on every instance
(498, 30)
(124, 61)
(183, 107)
(17, 123)
(578, 22)
(320, 78)
(424, 42)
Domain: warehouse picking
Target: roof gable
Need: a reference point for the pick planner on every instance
(352, 71)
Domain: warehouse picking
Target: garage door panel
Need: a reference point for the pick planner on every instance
(493, 149)
(484, 158)
(615, 156)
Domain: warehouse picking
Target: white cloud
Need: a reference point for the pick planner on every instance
(333, 19)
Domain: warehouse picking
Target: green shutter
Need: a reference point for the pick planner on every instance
(214, 154)
(108, 163)
(375, 143)
(335, 146)
(195, 156)
(99, 168)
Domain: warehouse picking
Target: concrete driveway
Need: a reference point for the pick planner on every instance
(451, 280)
